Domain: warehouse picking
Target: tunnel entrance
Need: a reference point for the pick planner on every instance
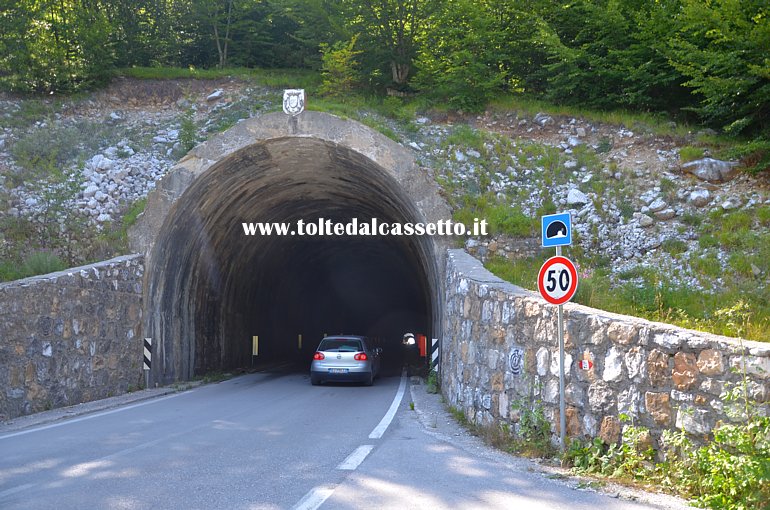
(210, 288)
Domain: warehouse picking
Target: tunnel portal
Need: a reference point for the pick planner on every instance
(210, 288)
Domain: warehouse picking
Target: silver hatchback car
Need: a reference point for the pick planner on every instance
(345, 358)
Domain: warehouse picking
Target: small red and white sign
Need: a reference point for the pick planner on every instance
(585, 364)
(557, 280)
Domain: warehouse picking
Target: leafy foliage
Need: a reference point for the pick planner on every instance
(722, 48)
(695, 59)
(534, 429)
(339, 68)
(730, 472)
(458, 61)
(54, 46)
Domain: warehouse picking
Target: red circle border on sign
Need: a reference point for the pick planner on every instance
(573, 286)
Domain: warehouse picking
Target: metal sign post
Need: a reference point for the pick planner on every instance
(562, 406)
(557, 282)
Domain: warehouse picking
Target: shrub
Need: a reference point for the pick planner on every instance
(42, 262)
(730, 472)
(188, 132)
(690, 153)
(339, 68)
(501, 217)
(674, 246)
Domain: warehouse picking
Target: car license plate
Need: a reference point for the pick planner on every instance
(338, 370)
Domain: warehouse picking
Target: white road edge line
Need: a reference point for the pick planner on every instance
(380, 429)
(314, 498)
(356, 458)
(89, 416)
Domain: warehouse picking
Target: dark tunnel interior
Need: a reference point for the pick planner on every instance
(215, 288)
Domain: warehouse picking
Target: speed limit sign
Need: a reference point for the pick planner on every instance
(557, 280)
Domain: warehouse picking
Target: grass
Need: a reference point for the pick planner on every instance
(61, 146)
(692, 219)
(459, 415)
(655, 300)
(707, 265)
(744, 236)
(654, 124)
(371, 111)
(276, 78)
(221, 120)
(468, 137)
(674, 246)
(586, 157)
(501, 217)
(36, 263)
(689, 153)
(214, 377)
(29, 112)
(114, 238)
(754, 154)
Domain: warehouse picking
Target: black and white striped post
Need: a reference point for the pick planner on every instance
(147, 361)
(434, 354)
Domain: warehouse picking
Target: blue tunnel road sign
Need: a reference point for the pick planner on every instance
(557, 230)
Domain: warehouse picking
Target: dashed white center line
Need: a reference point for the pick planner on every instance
(318, 495)
(356, 458)
(314, 498)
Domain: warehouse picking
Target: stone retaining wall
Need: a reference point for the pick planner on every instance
(71, 336)
(500, 349)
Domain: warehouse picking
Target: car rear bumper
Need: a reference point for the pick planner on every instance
(348, 377)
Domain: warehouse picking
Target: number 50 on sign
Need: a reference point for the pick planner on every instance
(557, 280)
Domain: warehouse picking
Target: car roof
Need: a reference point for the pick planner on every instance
(344, 337)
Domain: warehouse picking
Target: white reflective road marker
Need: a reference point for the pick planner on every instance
(314, 498)
(356, 458)
(380, 429)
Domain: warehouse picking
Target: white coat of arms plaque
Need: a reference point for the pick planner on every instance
(293, 101)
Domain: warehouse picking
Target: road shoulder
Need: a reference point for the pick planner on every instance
(69, 412)
(436, 420)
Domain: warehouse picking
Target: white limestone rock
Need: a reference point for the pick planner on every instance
(576, 197)
(699, 197)
(613, 365)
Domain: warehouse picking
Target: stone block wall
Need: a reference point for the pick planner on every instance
(70, 337)
(500, 349)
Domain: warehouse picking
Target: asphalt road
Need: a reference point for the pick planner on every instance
(266, 441)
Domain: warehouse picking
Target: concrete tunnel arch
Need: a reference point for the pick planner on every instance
(209, 288)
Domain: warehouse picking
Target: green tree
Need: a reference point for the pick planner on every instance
(723, 47)
(390, 30)
(461, 54)
(62, 45)
(339, 68)
(218, 16)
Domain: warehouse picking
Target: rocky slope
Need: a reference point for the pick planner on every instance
(631, 199)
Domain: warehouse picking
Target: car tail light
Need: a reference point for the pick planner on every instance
(318, 356)
(361, 356)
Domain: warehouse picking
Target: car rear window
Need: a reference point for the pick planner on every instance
(341, 345)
